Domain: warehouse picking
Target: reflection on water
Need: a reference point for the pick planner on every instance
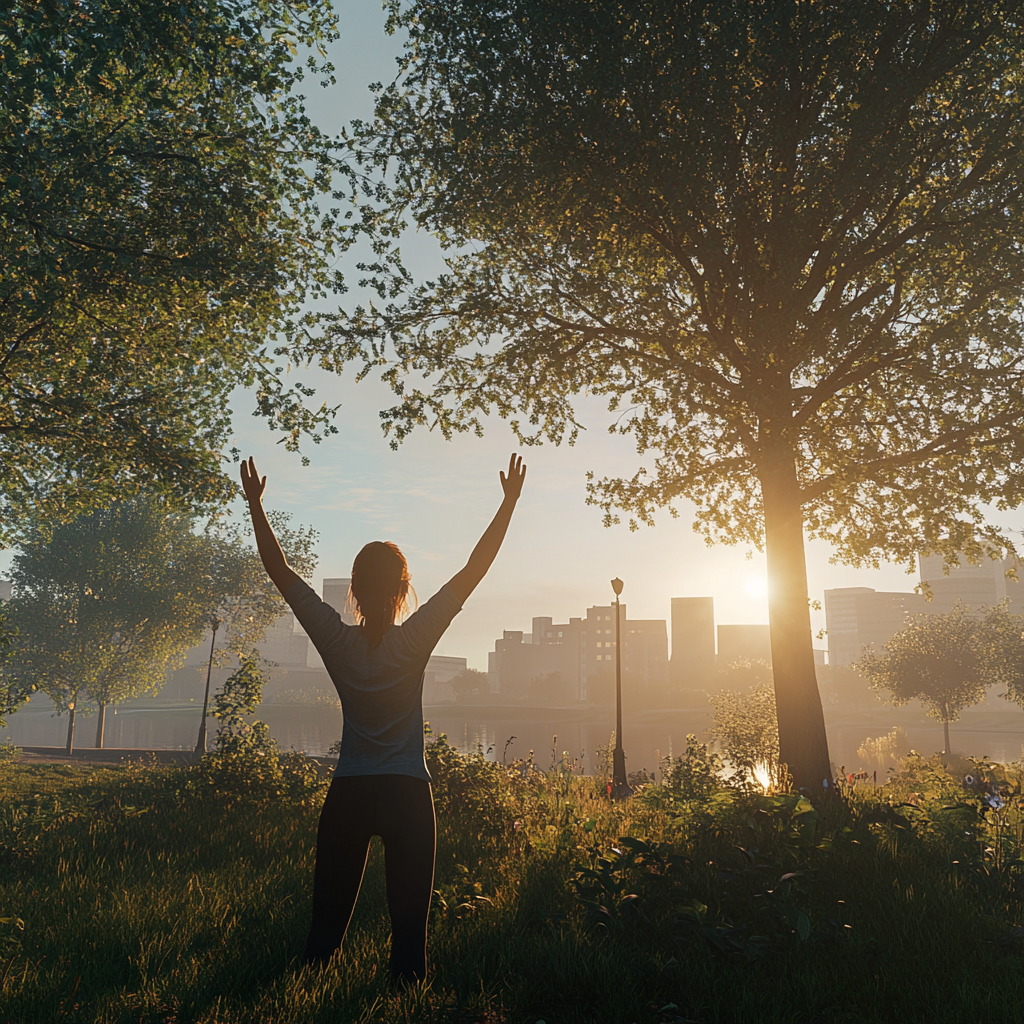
(995, 729)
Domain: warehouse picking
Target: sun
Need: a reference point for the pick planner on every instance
(755, 586)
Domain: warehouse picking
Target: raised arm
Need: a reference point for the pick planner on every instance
(270, 551)
(465, 581)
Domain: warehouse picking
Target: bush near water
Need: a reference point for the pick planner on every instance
(181, 894)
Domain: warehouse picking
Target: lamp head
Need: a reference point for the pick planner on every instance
(617, 586)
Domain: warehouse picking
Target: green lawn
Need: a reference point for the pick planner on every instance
(181, 895)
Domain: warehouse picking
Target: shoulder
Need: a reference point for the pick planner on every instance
(444, 602)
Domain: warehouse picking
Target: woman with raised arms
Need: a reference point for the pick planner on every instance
(381, 785)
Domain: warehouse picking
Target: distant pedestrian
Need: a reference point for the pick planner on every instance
(381, 785)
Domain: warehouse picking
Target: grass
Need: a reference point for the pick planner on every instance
(177, 895)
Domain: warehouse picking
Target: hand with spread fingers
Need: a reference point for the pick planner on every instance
(252, 486)
(512, 484)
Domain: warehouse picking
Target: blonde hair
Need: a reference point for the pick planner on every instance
(380, 589)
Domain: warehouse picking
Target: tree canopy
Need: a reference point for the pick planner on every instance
(106, 604)
(161, 232)
(784, 239)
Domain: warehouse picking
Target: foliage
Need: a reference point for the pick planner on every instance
(551, 903)
(313, 697)
(107, 603)
(469, 683)
(882, 751)
(8, 751)
(13, 691)
(747, 732)
(1004, 651)
(695, 774)
(937, 659)
(237, 591)
(162, 232)
(238, 698)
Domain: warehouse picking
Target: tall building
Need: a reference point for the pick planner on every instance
(6, 589)
(977, 586)
(693, 643)
(861, 618)
(743, 643)
(335, 593)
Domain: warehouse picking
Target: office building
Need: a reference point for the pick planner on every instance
(335, 593)
(693, 643)
(859, 619)
(976, 586)
(743, 643)
(562, 662)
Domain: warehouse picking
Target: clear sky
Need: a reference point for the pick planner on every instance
(433, 497)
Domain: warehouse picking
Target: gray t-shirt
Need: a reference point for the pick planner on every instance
(381, 690)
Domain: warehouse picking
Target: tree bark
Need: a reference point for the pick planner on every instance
(70, 745)
(101, 721)
(803, 743)
(945, 735)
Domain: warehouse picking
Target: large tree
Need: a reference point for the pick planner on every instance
(786, 239)
(106, 604)
(160, 232)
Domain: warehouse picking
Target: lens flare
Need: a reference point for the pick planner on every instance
(762, 776)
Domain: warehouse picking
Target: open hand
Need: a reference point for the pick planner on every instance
(252, 485)
(512, 484)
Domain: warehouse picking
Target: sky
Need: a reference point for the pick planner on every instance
(434, 498)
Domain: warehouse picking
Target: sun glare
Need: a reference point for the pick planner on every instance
(761, 776)
(756, 586)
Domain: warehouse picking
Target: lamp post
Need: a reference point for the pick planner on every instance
(215, 622)
(620, 784)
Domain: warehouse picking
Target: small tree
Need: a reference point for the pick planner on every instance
(746, 728)
(238, 698)
(939, 660)
(1004, 651)
(106, 603)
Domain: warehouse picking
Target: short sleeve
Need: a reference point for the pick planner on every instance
(321, 622)
(422, 630)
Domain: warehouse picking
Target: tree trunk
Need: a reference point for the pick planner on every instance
(945, 735)
(101, 721)
(803, 744)
(70, 745)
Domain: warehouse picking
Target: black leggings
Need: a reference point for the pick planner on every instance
(399, 809)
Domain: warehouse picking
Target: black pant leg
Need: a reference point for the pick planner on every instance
(405, 821)
(342, 841)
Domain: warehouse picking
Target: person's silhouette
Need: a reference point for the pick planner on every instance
(381, 785)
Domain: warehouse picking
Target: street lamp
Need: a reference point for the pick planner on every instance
(620, 784)
(216, 622)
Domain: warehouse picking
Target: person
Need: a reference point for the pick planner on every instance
(381, 785)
